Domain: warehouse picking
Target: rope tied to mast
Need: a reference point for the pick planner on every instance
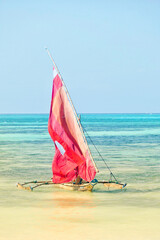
(111, 173)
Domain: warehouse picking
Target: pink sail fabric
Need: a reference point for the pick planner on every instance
(64, 130)
(63, 168)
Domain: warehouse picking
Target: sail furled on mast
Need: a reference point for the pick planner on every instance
(71, 151)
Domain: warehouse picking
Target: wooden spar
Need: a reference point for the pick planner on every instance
(113, 184)
(74, 110)
(25, 183)
(40, 183)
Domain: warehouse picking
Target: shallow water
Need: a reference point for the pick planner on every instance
(130, 143)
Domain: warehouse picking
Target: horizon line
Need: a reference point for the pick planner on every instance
(88, 113)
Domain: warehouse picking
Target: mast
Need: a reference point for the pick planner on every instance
(74, 110)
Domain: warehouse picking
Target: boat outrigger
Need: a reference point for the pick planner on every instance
(73, 166)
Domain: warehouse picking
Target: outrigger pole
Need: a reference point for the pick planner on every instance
(29, 188)
(74, 110)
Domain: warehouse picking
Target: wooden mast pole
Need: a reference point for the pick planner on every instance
(74, 110)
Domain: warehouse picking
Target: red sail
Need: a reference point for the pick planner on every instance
(71, 152)
(63, 168)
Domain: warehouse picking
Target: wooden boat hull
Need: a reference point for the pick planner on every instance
(87, 186)
(78, 187)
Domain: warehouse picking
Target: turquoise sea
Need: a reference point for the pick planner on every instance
(130, 144)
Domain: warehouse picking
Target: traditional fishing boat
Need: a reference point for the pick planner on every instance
(73, 166)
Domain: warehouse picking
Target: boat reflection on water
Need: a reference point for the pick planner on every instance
(70, 208)
(65, 199)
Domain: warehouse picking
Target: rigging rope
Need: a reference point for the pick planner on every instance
(99, 154)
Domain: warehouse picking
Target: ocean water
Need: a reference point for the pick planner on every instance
(130, 144)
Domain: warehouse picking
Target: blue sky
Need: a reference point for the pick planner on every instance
(108, 53)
